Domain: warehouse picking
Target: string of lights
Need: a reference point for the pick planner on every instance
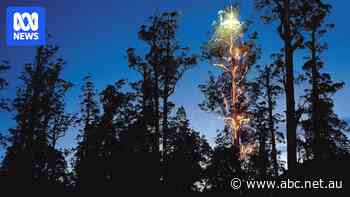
(228, 36)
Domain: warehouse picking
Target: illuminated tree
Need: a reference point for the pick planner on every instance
(226, 94)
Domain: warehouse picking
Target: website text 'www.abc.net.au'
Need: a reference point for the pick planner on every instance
(237, 183)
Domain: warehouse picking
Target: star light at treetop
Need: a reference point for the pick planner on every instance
(228, 27)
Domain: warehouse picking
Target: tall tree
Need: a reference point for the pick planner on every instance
(117, 116)
(141, 139)
(323, 128)
(288, 14)
(265, 90)
(165, 63)
(175, 63)
(87, 150)
(32, 160)
(225, 94)
(147, 97)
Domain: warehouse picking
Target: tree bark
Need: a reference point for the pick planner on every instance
(271, 124)
(289, 90)
(262, 152)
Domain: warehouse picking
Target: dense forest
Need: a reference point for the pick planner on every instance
(132, 136)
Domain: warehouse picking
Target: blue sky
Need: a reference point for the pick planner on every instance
(94, 35)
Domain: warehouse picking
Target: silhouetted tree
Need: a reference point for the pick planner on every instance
(174, 63)
(87, 149)
(264, 91)
(288, 14)
(105, 155)
(163, 65)
(223, 165)
(32, 161)
(142, 138)
(324, 130)
(187, 155)
(118, 114)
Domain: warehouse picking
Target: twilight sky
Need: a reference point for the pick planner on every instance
(94, 35)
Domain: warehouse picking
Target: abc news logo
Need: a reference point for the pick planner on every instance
(29, 30)
(25, 26)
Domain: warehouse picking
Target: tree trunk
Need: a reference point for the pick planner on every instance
(289, 90)
(157, 134)
(271, 124)
(236, 130)
(262, 152)
(165, 122)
